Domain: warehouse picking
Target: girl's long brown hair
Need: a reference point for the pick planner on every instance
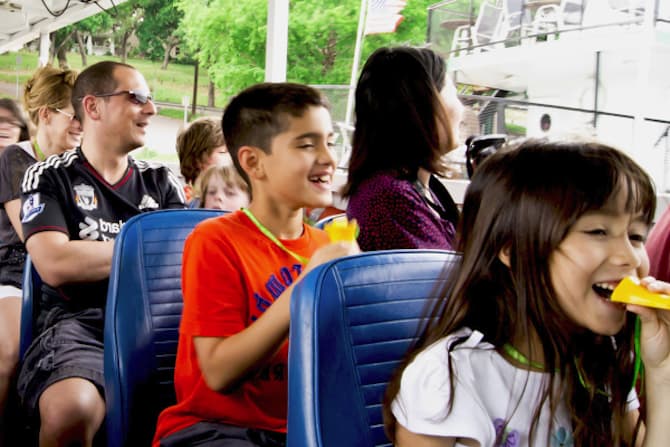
(524, 201)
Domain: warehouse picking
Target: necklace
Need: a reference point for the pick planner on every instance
(267, 233)
(519, 357)
(637, 369)
(38, 152)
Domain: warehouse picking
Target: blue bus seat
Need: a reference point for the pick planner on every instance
(352, 321)
(143, 312)
(322, 222)
(32, 287)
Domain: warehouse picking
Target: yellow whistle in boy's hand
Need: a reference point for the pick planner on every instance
(630, 291)
(341, 229)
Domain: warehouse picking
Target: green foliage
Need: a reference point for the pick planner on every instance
(167, 85)
(159, 30)
(228, 38)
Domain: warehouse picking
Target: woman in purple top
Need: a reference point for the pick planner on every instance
(407, 117)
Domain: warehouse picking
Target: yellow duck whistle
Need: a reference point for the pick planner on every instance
(341, 229)
(630, 291)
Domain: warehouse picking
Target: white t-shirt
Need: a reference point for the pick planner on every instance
(487, 391)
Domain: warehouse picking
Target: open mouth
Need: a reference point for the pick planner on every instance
(604, 289)
(320, 179)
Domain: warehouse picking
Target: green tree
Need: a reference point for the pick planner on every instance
(228, 38)
(93, 25)
(159, 31)
(128, 18)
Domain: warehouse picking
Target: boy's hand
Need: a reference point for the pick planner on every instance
(332, 251)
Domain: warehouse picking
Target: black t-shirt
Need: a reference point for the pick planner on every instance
(65, 193)
(14, 160)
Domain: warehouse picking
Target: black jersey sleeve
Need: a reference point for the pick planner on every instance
(41, 209)
(13, 163)
(174, 196)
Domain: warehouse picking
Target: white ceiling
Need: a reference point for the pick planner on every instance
(22, 21)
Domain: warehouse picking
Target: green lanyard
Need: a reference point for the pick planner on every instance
(38, 152)
(519, 357)
(303, 260)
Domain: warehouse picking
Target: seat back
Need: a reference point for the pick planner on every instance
(32, 288)
(143, 312)
(352, 321)
(321, 223)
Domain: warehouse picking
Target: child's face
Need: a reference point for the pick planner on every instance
(599, 250)
(298, 172)
(218, 157)
(224, 196)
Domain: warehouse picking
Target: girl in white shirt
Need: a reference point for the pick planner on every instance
(527, 348)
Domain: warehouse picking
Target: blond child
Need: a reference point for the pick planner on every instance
(219, 187)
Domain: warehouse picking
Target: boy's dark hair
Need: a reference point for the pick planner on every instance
(261, 112)
(94, 80)
(195, 141)
(401, 121)
(11, 106)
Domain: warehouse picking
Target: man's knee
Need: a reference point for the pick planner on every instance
(9, 358)
(75, 410)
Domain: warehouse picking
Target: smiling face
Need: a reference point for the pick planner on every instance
(64, 130)
(125, 117)
(10, 128)
(600, 249)
(298, 170)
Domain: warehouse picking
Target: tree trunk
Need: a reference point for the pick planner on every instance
(166, 58)
(329, 53)
(62, 58)
(124, 46)
(82, 48)
(210, 94)
(52, 48)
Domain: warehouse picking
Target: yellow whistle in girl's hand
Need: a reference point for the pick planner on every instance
(630, 291)
(341, 229)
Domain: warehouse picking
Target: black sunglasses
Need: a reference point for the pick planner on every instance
(480, 147)
(133, 96)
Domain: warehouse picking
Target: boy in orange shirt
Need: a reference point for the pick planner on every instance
(239, 271)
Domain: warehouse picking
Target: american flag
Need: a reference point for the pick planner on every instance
(384, 16)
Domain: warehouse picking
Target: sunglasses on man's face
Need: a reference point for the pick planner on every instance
(133, 96)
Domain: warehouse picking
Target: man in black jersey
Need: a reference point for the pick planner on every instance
(74, 205)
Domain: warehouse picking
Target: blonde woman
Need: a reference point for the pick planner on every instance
(47, 100)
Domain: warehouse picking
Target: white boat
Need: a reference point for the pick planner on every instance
(557, 68)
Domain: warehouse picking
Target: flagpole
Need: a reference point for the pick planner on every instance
(356, 62)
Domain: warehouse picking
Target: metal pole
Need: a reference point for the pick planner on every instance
(276, 47)
(348, 119)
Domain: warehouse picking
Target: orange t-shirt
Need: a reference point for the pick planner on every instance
(231, 274)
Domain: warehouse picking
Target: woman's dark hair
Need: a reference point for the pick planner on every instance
(525, 201)
(10, 106)
(401, 122)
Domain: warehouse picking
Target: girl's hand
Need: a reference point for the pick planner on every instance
(655, 334)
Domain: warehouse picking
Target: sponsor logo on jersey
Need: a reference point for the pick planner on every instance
(147, 202)
(85, 197)
(91, 229)
(32, 207)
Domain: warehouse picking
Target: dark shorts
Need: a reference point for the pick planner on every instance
(70, 346)
(212, 434)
